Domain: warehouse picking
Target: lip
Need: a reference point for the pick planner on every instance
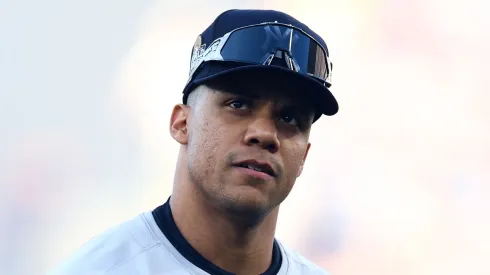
(267, 169)
(253, 173)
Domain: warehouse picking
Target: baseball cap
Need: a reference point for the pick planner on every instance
(230, 20)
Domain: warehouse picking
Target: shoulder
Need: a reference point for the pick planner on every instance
(109, 250)
(298, 264)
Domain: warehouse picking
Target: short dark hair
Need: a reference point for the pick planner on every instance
(215, 84)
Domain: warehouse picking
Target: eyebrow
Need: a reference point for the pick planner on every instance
(303, 112)
(245, 94)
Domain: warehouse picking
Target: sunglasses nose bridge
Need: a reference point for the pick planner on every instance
(281, 58)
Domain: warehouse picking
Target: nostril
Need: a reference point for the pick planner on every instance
(254, 141)
(271, 147)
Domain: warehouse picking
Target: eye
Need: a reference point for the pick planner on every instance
(238, 104)
(289, 119)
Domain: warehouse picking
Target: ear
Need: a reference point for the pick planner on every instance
(178, 123)
(304, 159)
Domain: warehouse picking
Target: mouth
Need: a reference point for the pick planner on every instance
(254, 165)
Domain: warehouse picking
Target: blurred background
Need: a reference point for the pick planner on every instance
(397, 183)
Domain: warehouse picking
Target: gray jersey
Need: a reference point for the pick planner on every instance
(138, 247)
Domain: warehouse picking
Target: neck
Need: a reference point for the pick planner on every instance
(226, 243)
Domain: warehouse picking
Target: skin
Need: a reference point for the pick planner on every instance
(228, 215)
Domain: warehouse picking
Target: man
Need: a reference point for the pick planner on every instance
(258, 81)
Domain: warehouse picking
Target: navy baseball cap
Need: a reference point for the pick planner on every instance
(231, 20)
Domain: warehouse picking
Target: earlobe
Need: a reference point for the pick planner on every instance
(178, 123)
(304, 159)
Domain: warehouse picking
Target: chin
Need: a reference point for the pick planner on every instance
(248, 205)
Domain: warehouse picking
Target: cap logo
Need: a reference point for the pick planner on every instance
(200, 53)
(197, 50)
(274, 34)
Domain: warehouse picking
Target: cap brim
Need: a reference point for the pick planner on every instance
(319, 94)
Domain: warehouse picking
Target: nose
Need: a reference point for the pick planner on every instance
(263, 132)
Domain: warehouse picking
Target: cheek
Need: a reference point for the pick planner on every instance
(203, 147)
(293, 160)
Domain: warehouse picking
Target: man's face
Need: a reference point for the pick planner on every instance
(247, 146)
